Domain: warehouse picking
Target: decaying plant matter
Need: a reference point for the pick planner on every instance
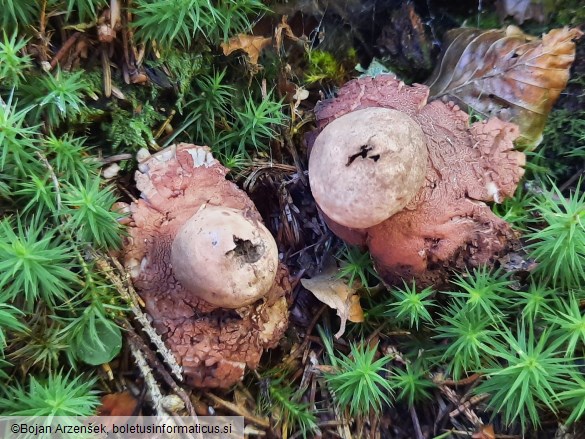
(506, 74)
(447, 223)
(190, 224)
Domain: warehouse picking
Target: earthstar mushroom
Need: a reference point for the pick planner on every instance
(217, 323)
(224, 257)
(367, 165)
(446, 224)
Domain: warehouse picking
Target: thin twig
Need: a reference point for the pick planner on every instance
(261, 422)
(106, 70)
(416, 423)
(573, 178)
(307, 339)
(149, 380)
(115, 158)
(465, 405)
(377, 332)
(462, 382)
(42, 30)
(154, 390)
(153, 361)
(42, 24)
(64, 49)
(468, 412)
(319, 425)
(164, 125)
(134, 301)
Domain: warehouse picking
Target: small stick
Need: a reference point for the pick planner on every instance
(64, 49)
(43, 24)
(127, 192)
(474, 400)
(312, 324)
(374, 334)
(571, 180)
(319, 425)
(416, 423)
(463, 382)
(154, 389)
(149, 380)
(115, 158)
(261, 422)
(151, 358)
(164, 125)
(107, 71)
(135, 302)
(42, 33)
(469, 414)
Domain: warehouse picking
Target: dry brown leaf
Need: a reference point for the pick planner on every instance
(117, 404)
(506, 74)
(523, 10)
(336, 294)
(283, 28)
(324, 368)
(250, 44)
(485, 432)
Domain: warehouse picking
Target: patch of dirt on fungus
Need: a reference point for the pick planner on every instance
(213, 345)
(448, 223)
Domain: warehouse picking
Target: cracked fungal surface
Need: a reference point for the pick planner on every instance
(214, 345)
(447, 224)
(247, 250)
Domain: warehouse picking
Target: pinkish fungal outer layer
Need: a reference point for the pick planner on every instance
(213, 345)
(448, 223)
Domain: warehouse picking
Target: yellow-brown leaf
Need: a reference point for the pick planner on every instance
(250, 44)
(336, 294)
(485, 432)
(506, 74)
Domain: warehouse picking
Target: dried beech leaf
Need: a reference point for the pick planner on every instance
(283, 28)
(336, 294)
(523, 10)
(485, 432)
(250, 44)
(117, 404)
(506, 74)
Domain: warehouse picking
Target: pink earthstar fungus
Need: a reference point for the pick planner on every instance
(205, 266)
(412, 188)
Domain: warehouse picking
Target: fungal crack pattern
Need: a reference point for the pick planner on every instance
(364, 150)
(247, 250)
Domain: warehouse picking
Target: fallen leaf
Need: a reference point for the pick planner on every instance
(336, 294)
(523, 10)
(324, 368)
(506, 74)
(117, 404)
(485, 432)
(172, 404)
(250, 44)
(300, 95)
(283, 28)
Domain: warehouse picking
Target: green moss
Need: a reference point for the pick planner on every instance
(566, 12)
(324, 67)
